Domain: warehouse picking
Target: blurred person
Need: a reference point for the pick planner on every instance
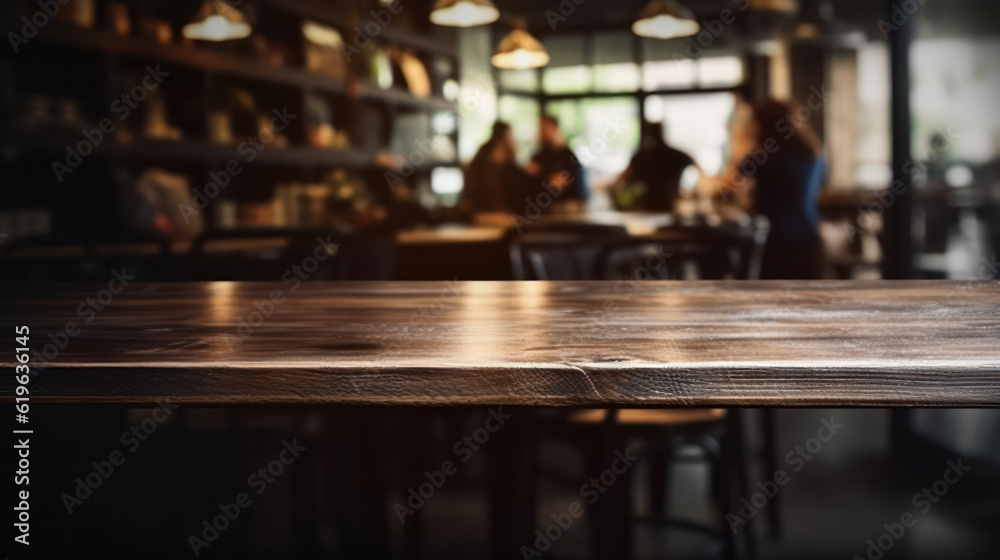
(494, 182)
(556, 164)
(779, 173)
(162, 202)
(658, 167)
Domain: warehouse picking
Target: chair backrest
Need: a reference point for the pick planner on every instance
(598, 252)
(728, 251)
(560, 251)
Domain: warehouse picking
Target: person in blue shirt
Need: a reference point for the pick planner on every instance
(784, 172)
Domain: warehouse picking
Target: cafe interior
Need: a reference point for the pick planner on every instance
(493, 141)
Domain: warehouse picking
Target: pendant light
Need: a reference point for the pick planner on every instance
(464, 13)
(519, 50)
(665, 19)
(217, 21)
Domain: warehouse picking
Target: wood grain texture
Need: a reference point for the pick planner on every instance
(521, 343)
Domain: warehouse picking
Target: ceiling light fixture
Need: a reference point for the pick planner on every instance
(519, 50)
(665, 19)
(464, 13)
(217, 21)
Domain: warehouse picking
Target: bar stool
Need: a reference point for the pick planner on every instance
(599, 433)
(594, 252)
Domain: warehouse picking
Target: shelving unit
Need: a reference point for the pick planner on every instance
(323, 13)
(213, 69)
(108, 43)
(202, 151)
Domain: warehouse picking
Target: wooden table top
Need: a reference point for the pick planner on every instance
(518, 343)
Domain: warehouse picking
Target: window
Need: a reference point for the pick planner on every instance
(872, 139)
(519, 80)
(687, 73)
(614, 67)
(593, 78)
(954, 81)
(567, 71)
(697, 124)
(602, 132)
(567, 79)
(615, 78)
(522, 113)
(447, 182)
(477, 97)
(720, 71)
(668, 74)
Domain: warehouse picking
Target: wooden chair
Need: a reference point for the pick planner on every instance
(595, 252)
(598, 434)
(702, 252)
(560, 251)
(602, 252)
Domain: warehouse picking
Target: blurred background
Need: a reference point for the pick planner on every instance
(388, 117)
(747, 139)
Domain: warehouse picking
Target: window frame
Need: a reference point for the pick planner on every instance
(638, 58)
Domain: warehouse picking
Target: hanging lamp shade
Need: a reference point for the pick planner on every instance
(665, 19)
(519, 51)
(464, 13)
(217, 21)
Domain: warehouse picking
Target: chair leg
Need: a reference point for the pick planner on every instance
(722, 492)
(738, 464)
(363, 515)
(512, 505)
(612, 511)
(770, 467)
(659, 477)
(410, 458)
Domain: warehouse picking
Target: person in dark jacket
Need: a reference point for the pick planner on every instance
(783, 173)
(554, 161)
(659, 168)
(494, 182)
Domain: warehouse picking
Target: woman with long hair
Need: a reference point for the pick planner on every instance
(779, 174)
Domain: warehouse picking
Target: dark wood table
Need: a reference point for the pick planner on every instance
(668, 344)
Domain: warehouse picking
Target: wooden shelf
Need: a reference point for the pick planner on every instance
(207, 65)
(191, 150)
(402, 98)
(110, 43)
(330, 16)
(196, 150)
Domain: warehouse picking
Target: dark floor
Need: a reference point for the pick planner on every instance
(150, 506)
(829, 509)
